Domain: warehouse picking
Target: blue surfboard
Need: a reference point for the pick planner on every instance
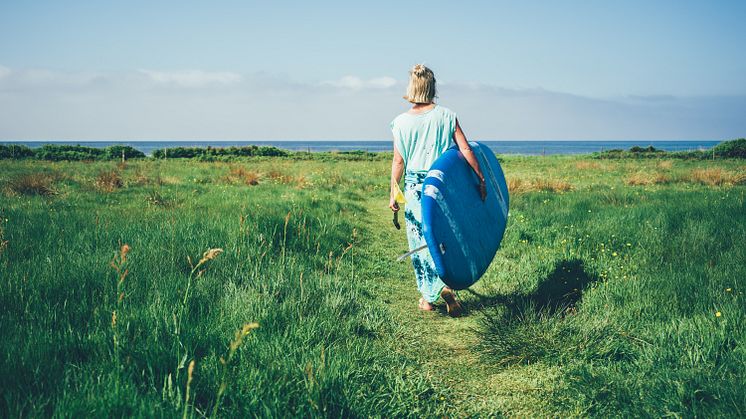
(462, 232)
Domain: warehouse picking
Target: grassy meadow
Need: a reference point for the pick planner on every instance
(268, 287)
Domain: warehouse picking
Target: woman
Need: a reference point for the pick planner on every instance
(421, 135)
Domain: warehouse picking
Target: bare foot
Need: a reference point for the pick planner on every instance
(425, 306)
(452, 305)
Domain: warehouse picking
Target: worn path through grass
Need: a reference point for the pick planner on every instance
(445, 347)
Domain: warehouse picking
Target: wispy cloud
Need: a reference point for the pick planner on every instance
(46, 104)
(354, 82)
(192, 78)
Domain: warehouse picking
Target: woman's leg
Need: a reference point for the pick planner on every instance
(428, 282)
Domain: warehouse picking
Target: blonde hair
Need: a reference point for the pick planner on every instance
(421, 88)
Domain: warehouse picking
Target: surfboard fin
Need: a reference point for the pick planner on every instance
(411, 252)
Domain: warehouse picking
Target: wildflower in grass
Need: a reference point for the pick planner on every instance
(718, 314)
(629, 244)
(728, 290)
(614, 254)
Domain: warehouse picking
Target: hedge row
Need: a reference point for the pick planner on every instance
(727, 149)
(60, 152)
(212, 152)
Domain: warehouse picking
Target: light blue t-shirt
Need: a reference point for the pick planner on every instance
(422, 138)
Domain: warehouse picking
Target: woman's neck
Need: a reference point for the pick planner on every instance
(421, 107)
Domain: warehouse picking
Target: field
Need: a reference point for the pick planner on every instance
(268, 287)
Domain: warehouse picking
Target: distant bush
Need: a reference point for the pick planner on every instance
(55, 152)
(217, 153)
(648, 149)
(115, 152)
(15, 151)
(109, 180)
(32, 184)
(355, 155)
(733, 148)
(59, 152)
(729, 149)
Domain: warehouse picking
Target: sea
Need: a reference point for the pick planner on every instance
(524, 147)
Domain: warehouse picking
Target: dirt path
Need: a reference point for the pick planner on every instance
(446, 347)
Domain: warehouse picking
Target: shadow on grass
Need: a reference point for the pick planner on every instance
(527, 328)
(558, 293)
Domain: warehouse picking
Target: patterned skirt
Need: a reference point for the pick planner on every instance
(428, 282)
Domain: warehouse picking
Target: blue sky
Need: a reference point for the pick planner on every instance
(336, 70)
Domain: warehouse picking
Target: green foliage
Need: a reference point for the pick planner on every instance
(218, 153)
(606, 299)
(733, 148)
(648, 149)
(728, 149)
(635, 295)
(63, 152)
(81, 339)
(115, 152)
(15, 151)
(58, 152)
(39, 183)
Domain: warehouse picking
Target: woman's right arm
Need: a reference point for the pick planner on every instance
(397, 169)
(466, 150)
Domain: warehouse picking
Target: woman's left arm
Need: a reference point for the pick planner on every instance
(397, 169)
(465, 148)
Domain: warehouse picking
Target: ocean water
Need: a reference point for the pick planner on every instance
(500, 147)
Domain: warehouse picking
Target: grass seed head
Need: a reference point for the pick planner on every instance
(123, 252)
(210, 254)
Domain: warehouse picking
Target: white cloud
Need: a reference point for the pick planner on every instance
(192, 78)
(45, 104)
(355, 83)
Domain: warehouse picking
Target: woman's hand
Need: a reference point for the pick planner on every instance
(465, 148)
(393, 205)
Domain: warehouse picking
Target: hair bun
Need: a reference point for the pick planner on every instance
(419, 70)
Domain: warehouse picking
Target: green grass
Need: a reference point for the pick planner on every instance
(602, 301)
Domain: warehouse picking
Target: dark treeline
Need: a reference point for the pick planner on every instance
(207, 152)
(727, 149)
(54, 152)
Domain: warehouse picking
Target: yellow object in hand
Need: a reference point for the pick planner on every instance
(399, 195)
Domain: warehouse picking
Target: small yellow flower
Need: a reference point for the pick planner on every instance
(614, 254)
(629, 244)
(718, 314)
(728, 290)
